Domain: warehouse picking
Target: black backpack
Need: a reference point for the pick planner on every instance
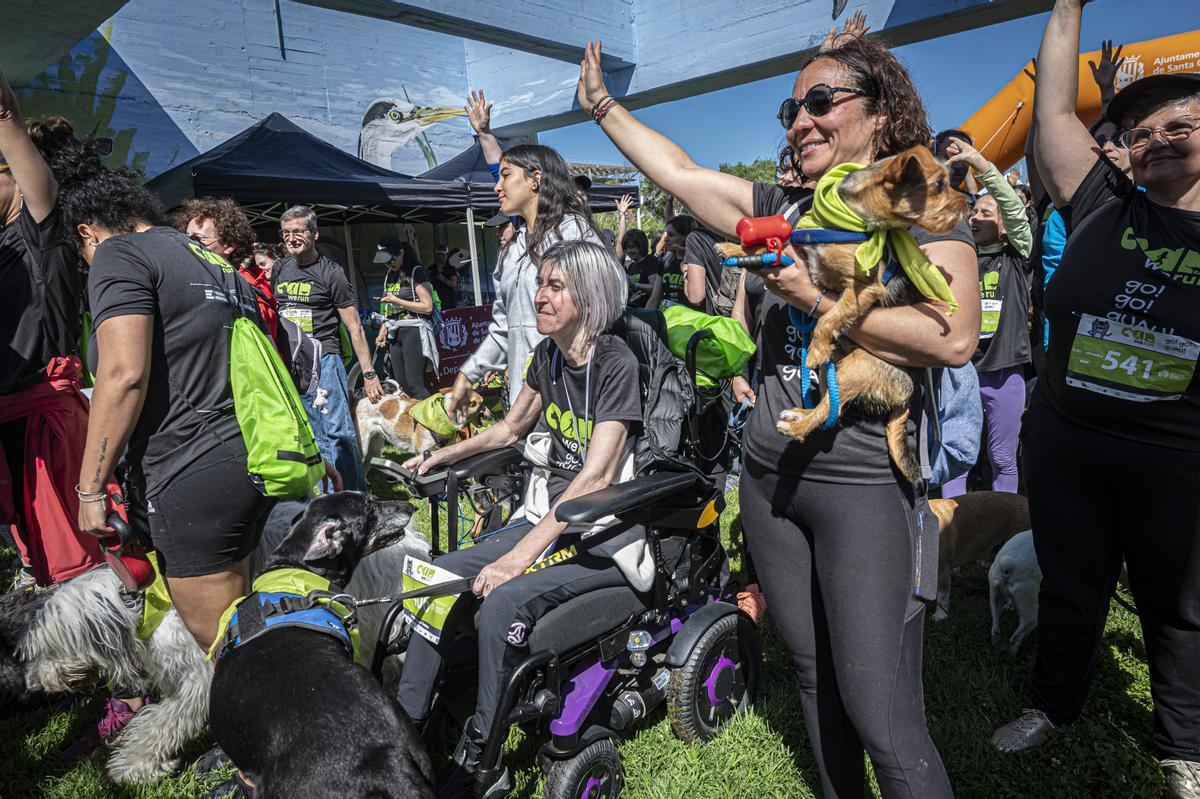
(669, 440)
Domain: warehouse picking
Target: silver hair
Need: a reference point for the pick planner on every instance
(300, 212)
(596, 281)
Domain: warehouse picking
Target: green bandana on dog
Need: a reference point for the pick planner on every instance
(829, 210)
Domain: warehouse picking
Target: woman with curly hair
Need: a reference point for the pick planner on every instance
(834, 524)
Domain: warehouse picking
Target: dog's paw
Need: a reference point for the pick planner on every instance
(727, 249)
(141, 771)
(794, 423)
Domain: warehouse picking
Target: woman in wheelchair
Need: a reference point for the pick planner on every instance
(581, 407)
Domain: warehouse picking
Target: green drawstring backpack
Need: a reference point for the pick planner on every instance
(281, 449)
(720, 356)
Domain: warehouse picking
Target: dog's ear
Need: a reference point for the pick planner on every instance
(327, 542)
(905, 171)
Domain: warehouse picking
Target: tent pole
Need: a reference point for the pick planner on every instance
(350, 257)
(476, 282)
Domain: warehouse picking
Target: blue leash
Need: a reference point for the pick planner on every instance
(804, 325)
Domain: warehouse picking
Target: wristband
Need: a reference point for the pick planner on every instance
(602, 111)
(598, 103)
(813, 311)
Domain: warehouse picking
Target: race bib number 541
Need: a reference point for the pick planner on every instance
(1130, 363)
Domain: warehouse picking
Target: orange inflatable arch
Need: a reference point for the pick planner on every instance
(1001, 126)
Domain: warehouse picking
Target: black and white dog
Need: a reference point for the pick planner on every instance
(291, 710)
(84, 634)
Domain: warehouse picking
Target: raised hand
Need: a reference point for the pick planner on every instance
(9, 107)
(591, 88)
(479, 112)
(624, 203)
(958, 150)
(1105, 73)
(855, 28)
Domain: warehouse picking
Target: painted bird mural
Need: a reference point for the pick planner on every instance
(390, 124)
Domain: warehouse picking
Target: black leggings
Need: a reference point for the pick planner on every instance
(1096, 500)
(408, 361)
(835, 564)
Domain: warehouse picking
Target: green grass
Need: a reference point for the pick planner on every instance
(970, 688)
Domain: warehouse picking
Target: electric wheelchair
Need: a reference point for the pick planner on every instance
(600, 663)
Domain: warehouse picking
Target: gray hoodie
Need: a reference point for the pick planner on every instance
(512, 334)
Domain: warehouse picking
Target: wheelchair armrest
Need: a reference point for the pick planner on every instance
(623, 497)
(486, 463)
(419, 486)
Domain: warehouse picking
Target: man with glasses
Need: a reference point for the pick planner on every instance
(313, 292)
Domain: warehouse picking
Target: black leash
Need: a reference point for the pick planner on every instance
(448, 588)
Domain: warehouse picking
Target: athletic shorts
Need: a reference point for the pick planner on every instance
(207, 519)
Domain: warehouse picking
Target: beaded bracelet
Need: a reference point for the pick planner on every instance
(603, 112)
(812, 311)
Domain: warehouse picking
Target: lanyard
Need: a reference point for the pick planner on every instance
(581, 436)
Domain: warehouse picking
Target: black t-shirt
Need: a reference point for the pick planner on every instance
(604, 389)
(855, 450)
(403, 284)
(755, 289)
(39, 298)
(446, 293)
(311, 295)
(1123, 311)
(700, 248)
(641, 272)
(191, 293)
(1004, 291)
(672, 274)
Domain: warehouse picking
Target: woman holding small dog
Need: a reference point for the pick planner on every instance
(536, 185)
(832, 522)
(1119, 393)
(581, 405)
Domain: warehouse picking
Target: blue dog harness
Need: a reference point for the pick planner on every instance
(288, 598)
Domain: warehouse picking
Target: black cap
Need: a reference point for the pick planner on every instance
(387, 248)
(583, 182)
(1185, 82)
(496, 221)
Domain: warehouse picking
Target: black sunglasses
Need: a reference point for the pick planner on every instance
(818, 102)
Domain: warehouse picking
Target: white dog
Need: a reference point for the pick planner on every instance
(389, 423)
(84, 634)
(1015, 577)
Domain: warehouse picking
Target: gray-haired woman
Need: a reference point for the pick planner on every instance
(581, 406)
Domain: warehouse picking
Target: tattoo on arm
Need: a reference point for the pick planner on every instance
(96, 478)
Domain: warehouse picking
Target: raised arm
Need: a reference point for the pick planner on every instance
(717, 199)
(39, 191)
(1105, 73)
(479, 114)
(1012, 209)
(622, 223)
(1065, 150)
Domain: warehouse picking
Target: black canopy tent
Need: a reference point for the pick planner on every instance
(274, 164)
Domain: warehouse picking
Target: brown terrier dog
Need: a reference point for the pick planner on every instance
(390, 423)
(910, 189)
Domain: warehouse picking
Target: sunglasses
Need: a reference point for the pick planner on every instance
(818, 102)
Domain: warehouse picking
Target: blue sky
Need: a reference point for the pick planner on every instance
(955, 74)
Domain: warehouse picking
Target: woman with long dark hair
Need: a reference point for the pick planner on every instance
(407, 305)
(834, 523)
(535, 185)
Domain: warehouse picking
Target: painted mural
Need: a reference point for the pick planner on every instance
(166, 92)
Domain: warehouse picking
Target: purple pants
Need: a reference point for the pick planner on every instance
(1003, 395)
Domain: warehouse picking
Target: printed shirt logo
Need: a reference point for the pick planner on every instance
(517, 633)
(295, 291)
(210, 257)
(564, 423)
(1181, 263)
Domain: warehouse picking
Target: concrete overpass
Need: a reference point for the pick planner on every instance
(167, 79)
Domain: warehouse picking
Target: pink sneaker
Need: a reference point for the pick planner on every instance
(116, 715)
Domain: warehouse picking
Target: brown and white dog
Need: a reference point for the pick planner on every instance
(972, 527)
(389, 423)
